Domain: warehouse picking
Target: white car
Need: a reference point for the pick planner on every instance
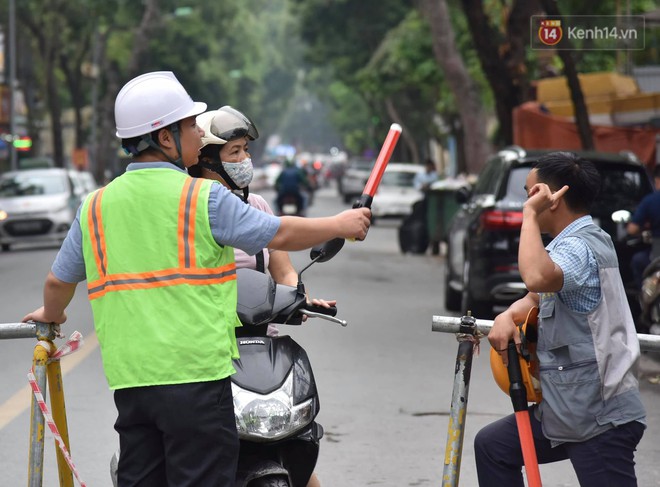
(396, 193)
(356, 174)
(39, 205)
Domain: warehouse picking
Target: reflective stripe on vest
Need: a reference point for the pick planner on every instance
(186, 273)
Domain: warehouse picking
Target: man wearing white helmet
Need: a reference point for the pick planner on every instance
(156, 249)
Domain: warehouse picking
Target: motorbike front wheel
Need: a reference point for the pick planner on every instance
(271, 482)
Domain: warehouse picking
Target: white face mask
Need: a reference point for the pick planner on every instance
(239, 172)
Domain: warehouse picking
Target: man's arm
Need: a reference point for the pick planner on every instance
(504, 327)
(538, 271)
(640, 218)
(297, 233)
(57, 296)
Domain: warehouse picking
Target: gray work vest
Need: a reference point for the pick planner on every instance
(589, 360)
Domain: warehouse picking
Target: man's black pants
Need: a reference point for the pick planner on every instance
(180, 435)
(606, 460)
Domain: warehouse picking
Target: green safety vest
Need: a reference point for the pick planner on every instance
(163, 292)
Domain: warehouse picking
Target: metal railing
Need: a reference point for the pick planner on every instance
(452, 324)
(47, 372)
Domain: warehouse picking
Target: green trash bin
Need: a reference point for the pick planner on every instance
(441, 208)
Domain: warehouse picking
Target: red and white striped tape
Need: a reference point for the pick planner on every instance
(73, 344)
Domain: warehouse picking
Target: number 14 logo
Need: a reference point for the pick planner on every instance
(550, 32)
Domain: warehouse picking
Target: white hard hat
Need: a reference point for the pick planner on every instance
(225, 124)
(152, 101)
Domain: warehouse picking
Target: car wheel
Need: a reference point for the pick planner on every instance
(271, 482)
(479, 309)
(6, 247)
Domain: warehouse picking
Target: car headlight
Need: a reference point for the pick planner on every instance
(271, 416)
(3, 215)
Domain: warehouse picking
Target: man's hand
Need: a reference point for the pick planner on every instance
(505, 326)
(542, 198)
(354, 223)
(39, 315)
(503, 331)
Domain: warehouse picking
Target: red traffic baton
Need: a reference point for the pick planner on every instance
(379, 167)
(377, 171)
(518, 394)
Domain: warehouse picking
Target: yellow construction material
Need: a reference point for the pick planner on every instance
(596, 85)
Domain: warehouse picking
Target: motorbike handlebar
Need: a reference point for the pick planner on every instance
(331, 311)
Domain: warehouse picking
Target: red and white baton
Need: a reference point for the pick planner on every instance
(379, 168)
(376, 173)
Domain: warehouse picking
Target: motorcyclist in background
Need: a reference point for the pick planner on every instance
(292, 182)
(646, 217)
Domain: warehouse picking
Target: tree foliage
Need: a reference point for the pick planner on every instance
(289, 64)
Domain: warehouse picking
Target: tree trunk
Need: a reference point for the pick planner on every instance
(407, 137)
(104, 148)
(579, 106)
(55, 111)
(142, 35)
(48, 47)
(71, 66)
(503, 61)
(473, 119)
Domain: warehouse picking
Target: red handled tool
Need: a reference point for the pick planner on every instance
(377, 172)
(379, 168)
(518, 394)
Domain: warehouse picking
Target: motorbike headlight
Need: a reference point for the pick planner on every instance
(271, 416)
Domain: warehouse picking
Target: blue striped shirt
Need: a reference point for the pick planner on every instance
(581, 288)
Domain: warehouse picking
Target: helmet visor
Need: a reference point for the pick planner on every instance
(230, 124)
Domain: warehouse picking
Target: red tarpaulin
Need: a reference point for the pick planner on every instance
(535, 129)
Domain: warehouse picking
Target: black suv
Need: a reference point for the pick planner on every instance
(482, 252)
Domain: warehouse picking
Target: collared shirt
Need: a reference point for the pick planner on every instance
(581, 288)
(232, 222)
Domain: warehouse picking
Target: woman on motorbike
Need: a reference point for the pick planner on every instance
(225, 158)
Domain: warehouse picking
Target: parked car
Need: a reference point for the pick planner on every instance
(397, 193)
(352, 181)
(39, 205)
(482, 256)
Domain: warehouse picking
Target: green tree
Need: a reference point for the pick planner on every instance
(341, 38)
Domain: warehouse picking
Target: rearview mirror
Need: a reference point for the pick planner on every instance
(621, 216)
(327, 250)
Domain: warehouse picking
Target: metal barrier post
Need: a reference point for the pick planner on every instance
(56, 390)
(37, 421)
(457, 414)
(47, 372)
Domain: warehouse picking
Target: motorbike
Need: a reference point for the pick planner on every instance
(275, 396)
(646, 308)
(290, 204)
(649, 296)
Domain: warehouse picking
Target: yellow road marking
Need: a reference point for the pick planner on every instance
(21, 400)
